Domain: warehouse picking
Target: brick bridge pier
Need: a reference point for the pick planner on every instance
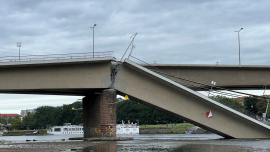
(99, 114)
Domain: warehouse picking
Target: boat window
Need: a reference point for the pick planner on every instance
(57, 129)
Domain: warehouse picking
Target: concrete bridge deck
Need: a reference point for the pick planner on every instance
(235, 77)
(57, 77)
(83, 77)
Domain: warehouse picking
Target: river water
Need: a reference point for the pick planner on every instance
(141, 143)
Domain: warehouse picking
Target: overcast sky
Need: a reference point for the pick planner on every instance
(172, 31)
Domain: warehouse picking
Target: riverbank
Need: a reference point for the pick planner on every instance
(40, 132)
(48, 146)
(179, 128)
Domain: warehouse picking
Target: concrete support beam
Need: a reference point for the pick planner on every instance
(99, 114)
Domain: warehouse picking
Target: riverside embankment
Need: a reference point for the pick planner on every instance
(169, 129)
(25, 132)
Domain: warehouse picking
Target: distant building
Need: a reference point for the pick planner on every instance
(27, 111)
(240, 100)
(10, 115)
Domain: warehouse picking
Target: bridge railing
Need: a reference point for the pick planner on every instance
(56, 56)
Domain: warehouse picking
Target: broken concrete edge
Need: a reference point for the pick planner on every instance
(103, 138)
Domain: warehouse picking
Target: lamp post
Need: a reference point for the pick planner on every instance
(19, 44)
(239, 44)
(93, 38)
(213, 83)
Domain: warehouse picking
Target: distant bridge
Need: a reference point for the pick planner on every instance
(91, 76)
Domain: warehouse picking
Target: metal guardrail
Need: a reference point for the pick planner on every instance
(56, 56)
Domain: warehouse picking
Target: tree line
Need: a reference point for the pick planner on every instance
(46, 116)
(136, 112)
(251, 106)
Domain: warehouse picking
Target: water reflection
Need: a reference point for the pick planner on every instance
(221, 145)
(178, 146)
(207, 148)
(109, 147)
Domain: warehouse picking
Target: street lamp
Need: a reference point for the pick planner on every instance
(19, 44)
(93, 38)
(213, 83)
(239, 44)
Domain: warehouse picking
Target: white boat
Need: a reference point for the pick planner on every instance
(67, 128)
(129, 128)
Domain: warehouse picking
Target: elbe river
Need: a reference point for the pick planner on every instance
(146, 143)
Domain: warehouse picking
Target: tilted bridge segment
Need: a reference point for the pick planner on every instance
(100, 79)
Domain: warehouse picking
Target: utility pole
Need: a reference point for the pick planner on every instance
(93, 38)
(239, 44)
(19, 44)
(213, 83)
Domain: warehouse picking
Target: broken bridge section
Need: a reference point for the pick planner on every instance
(152, 89)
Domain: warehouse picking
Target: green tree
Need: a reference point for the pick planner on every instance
(44, 116)
(16, 124)
(133, 111)
(6, 120)
(261, 106)
(77, 115)
(250, 104)
(3, 120)
(232, 103)
(29, 121)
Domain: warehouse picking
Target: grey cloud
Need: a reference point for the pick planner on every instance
(175, 31)
(196, 31)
